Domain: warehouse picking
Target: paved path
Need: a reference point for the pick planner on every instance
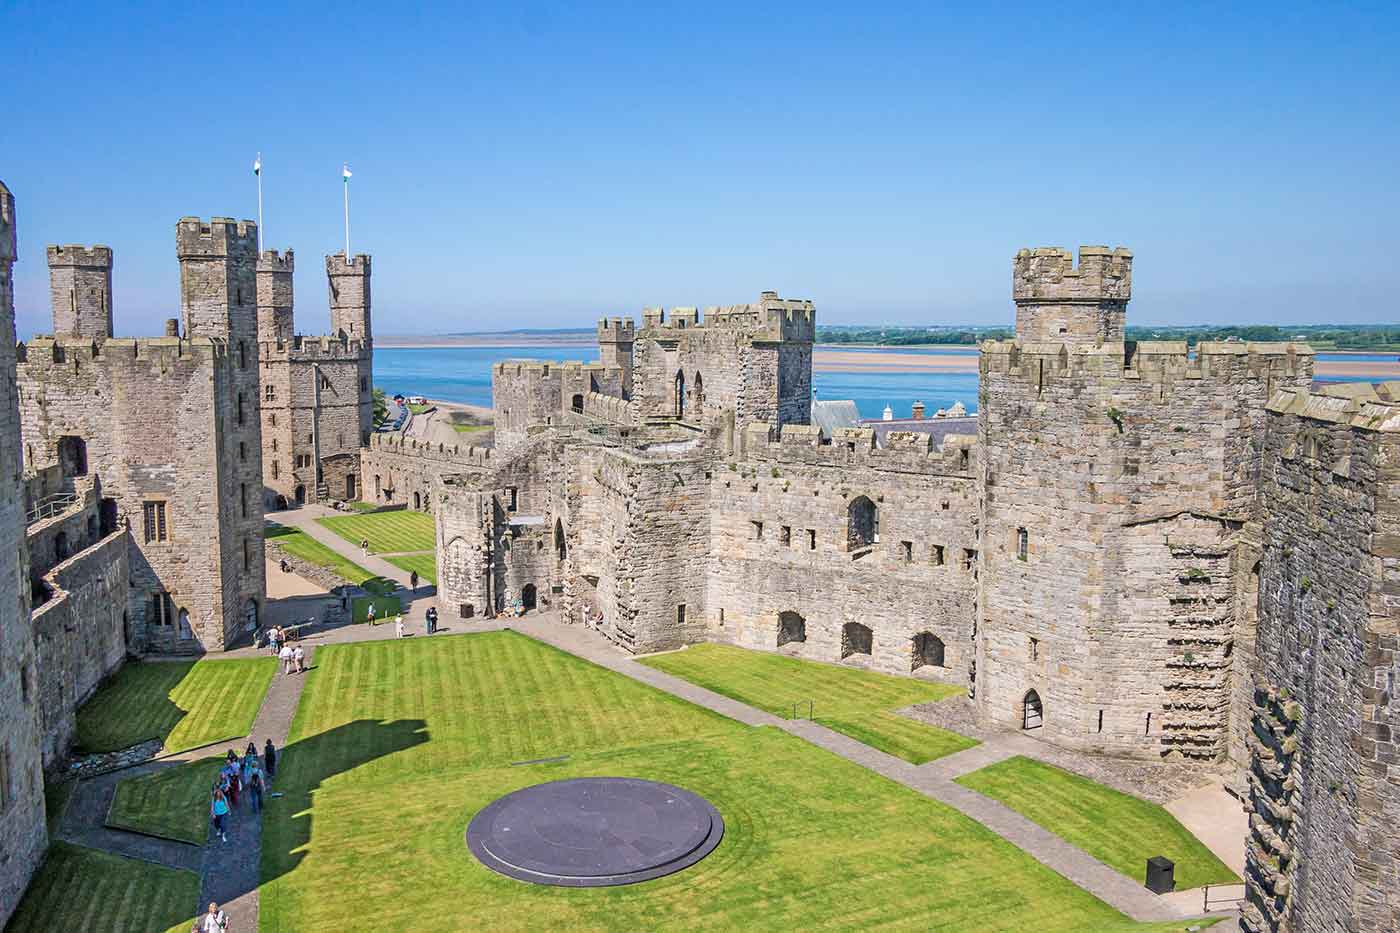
(304, 519)
(230, 872)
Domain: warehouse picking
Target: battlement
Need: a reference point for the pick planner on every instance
(326, 348)
(545, 369)
(98, 257)
(221, 237)
(1048, 274)
(1359, 405)
(7, 225)
(45, 350)
(464, 455)
(610, 408)
(1224, 362)
(616, 330)
(338, 264)
(270, 260)
(855, 449)
(769, 319)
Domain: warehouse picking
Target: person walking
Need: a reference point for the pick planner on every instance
(218, 811)
(364, 546)
(413, 581)
(432, 619)
(231, 784)
(215, 921)
(270, 759)
(398, 625)
(286, 656)
(256, 787)
(299, 655)
(369, 613)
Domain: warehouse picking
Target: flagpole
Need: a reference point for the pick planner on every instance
(257, 170)
(346, 171)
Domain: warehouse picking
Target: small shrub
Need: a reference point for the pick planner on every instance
(1305, 584)
(776, 472)
(1116, 417)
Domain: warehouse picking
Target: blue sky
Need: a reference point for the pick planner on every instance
(538, 165)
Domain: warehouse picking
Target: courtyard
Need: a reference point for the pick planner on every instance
(393, 746)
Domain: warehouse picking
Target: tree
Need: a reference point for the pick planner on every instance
(381, 406)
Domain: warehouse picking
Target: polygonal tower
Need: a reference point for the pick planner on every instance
(22, 834)
(615, 339)
(1057, 301)
(80, 290)
(350, 298)
(218, 278)
(275, 321)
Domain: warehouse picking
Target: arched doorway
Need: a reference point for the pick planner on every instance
(862, 524)
(578, 404)
(72, 455)
(300, 495)
(527, 597)
(791, 627)
(417, 502)
(928, 651)
(1032, 713)
(680, 394)
(856, 639)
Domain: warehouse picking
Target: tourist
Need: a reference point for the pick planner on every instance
(364, 546)
(277, 638)
(299, 656)
(256, 786)
(270, 759)
(245, 768)
(215, 921)
(286, 567)
(218, 810)
(286, 655)
(251, 749)
(413, 581)
(398, 625)
(432, 619)
(231, 787)
(369, 613)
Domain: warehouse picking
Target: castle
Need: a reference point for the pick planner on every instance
(1143, 550)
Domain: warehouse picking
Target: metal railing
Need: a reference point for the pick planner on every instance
(50, 506)
(1221, 901)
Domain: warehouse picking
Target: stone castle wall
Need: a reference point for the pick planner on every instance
(23, 836)
(1324, 761)
(402, 469)
(1129, 472)
(530, 394)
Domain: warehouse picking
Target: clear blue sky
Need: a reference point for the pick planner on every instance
(541, 166)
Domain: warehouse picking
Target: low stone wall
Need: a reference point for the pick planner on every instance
(320, 576)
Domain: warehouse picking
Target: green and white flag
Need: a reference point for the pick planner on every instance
(346, 172)
(257, 165)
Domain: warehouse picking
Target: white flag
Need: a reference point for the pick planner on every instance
(257, 165)
(346, 171)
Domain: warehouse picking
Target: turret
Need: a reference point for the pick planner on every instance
(1061, 303)
(80, 290)
(274, 272)
(615, 339)
(7, 232)
(350, 300)
(218, 285)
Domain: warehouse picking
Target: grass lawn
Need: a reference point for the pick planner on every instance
(184, 704)
(395, 745)
(462, 428)
(387, 532)
(1118, 829)
(172, 803)
(854, 702)
(385, 608)
(362, 506)
(425, 564)
(301, 544)
(83, 889)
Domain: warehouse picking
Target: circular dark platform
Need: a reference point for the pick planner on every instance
(591, 832)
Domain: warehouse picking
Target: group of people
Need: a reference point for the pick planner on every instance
(248, 776)
(293, 659)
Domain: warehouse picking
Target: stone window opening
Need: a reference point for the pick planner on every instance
(72, 455)
(680, 614)
(561, 546)
(242, 350)
(578, 404)
(1035, 649)
(512, 498)
(92, 532)
(969, 561)
(272, 420)
(364, 383)
(680, 394)
(154, 521)
(242, 451)
(862, 524)
(24, 683)
(270, 393)
(1032, 713)
(274, 445)
(1023, 544)
(240, 408)
(721, 617)
(6, 798)
(791, 628)
(466, 610)
(1100, 720)
(811, 539)
(274, 463)
(247, 555)
(243, 498)
(856, 639)
(928, 651)
(162, 613)
(757, 530)
(935, 555)
(1147, 730)
(699, 391)
(906, 551)
(962, 461)
(785, 535)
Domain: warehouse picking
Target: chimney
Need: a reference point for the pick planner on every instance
(172, 327)
(918, 411)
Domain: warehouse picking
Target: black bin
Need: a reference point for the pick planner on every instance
(1161, 875)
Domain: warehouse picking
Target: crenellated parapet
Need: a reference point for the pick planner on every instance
(1049, 274)
(318, 349)
(855, 449)
(80, 290)
(71, 353)
(610, 408)
(461, 455)
(770, 319)
(1155, 362)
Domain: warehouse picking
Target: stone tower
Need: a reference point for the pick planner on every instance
(615, 339)
(1117, 496)
(80, 289)
(275, 322)
(22, 834)
(1057, 301)
(349, 284)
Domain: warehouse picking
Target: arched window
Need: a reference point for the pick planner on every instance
(680, 394)
(791, 627)
(699, 392)
(862, 524)
(1032, 713)
(561, 547)
(855, 639)
(928, 651)
(578, 404)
